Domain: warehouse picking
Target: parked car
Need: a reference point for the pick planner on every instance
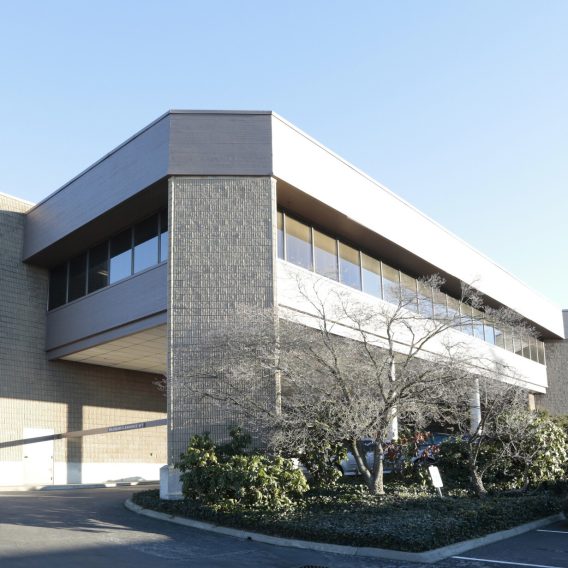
(426, 452)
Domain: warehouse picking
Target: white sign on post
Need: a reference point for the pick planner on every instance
(436, 478)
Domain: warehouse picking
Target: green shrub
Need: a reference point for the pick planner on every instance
(239, 444)
(249, 480)
(322, 459)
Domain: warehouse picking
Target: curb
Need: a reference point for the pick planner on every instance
(7, 488)
(428, 557)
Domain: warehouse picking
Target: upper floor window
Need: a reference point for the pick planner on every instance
(130, 251)
(309, 248)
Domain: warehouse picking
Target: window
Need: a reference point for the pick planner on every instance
(280, 233)
(489, 332)
(121, 256)
(425, 300)
(540, 352)
(391, 284)
(371, 269)
(146, 244)
(440, 305)
(77, 286)
(477, 324)
(325, 252)
(499, 339)
(98, 267)
(309, 248)
(453, 309)
(408, 288)
(349, 266)
(164, 236)
(58, 286)
(508, 340)
(466, 318)
(298, 243)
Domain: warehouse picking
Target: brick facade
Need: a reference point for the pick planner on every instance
(222, 254)
(63, 396)
(555, 400)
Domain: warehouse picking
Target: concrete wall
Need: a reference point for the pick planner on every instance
(222, 254)
(36, 394)
(307, 165)
(139, 297)
(292, 304)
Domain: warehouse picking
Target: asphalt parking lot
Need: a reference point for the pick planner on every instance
(91, 528)
(542, 548)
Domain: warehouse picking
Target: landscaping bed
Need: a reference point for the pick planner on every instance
(412, 520)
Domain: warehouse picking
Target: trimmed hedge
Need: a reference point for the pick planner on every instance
(412, 523)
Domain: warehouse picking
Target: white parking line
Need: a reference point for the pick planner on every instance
(505, 562)
(547, 530)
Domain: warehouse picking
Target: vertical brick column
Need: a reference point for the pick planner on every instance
(556, 398)
(222, 255)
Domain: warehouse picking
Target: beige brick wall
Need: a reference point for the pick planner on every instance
(63, 396)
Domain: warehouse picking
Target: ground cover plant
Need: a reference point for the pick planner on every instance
(231, 485)
(407, 518)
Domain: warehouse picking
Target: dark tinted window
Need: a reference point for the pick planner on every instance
(146, 243)
(98, 267)
(121, 256)
(77, 277)
(58, 286)
(164, 236)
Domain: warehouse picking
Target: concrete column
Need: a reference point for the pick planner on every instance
(475, 408)
(393, 433)
(222, 255)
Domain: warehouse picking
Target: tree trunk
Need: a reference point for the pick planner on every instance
(476, 479)
(376, 483)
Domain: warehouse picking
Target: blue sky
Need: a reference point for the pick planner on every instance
(458, 107)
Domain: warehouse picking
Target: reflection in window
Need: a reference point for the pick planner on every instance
(477, 323)
(280, 233)
(121, 256)
(453, 308)
(517, 344)
(408, 288)
(146, 244)
(371, 275)
(508, 339)
(525, 346)
(325, 253)
(499, 339)
(164, 236)
(77, 286)
(298, 243)
(440, 305)
(466, 319)
(391, 284)
(98, 267)
(349, 267)
(489, 332)
(532, 344)
(425, 300)
(58, 286)
(540, 352)
(363, 272)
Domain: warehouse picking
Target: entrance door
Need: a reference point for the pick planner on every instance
(38, 458)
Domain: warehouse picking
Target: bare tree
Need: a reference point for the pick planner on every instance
(342, 369)
(500, 425)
